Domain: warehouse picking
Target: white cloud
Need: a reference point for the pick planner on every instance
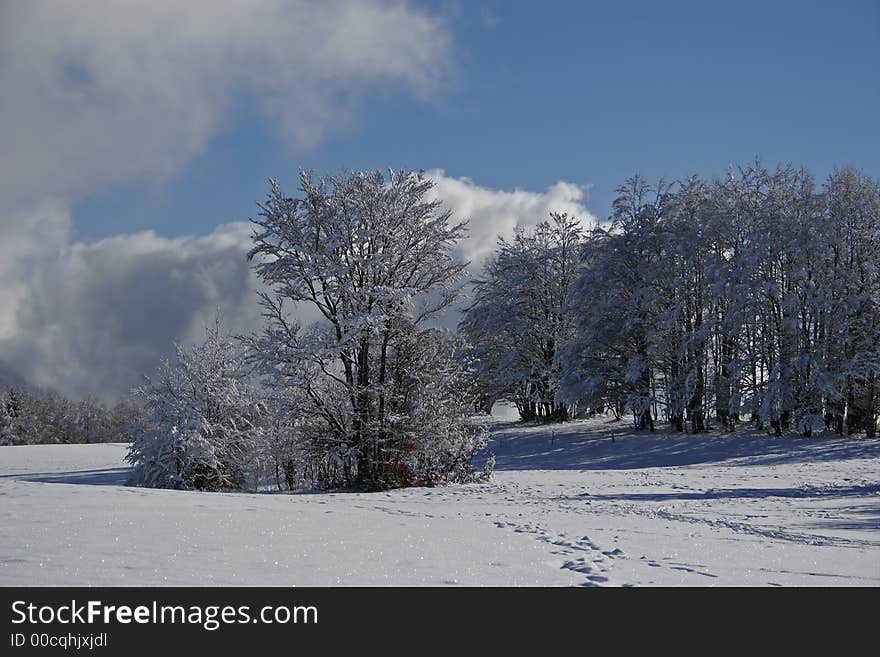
(99, 92)
(493, 213)
(92, 318)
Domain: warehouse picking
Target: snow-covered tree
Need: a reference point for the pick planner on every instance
(618, 303)
(375, 258)
(520, 316)
(851, 282)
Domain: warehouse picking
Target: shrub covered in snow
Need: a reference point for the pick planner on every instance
(203, 425)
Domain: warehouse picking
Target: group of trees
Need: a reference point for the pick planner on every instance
(29, 417)
(368, 395)
(755, 296)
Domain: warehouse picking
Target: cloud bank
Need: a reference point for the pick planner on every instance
(92, 318)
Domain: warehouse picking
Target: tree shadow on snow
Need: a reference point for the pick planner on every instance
(858, 518)
(101, 477)
(743, 493)
(608, 445)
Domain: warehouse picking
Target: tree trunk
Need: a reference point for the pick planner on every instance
(871, 406)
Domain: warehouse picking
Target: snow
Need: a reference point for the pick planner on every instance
(567, 506)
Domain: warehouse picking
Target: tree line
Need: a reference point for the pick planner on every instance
(754, 297)
(32, 417)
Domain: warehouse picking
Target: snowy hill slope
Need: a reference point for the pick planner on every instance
(567, 506)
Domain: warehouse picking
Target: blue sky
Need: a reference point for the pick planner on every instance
(586, 92)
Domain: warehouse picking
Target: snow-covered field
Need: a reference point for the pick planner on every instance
(568, 506)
